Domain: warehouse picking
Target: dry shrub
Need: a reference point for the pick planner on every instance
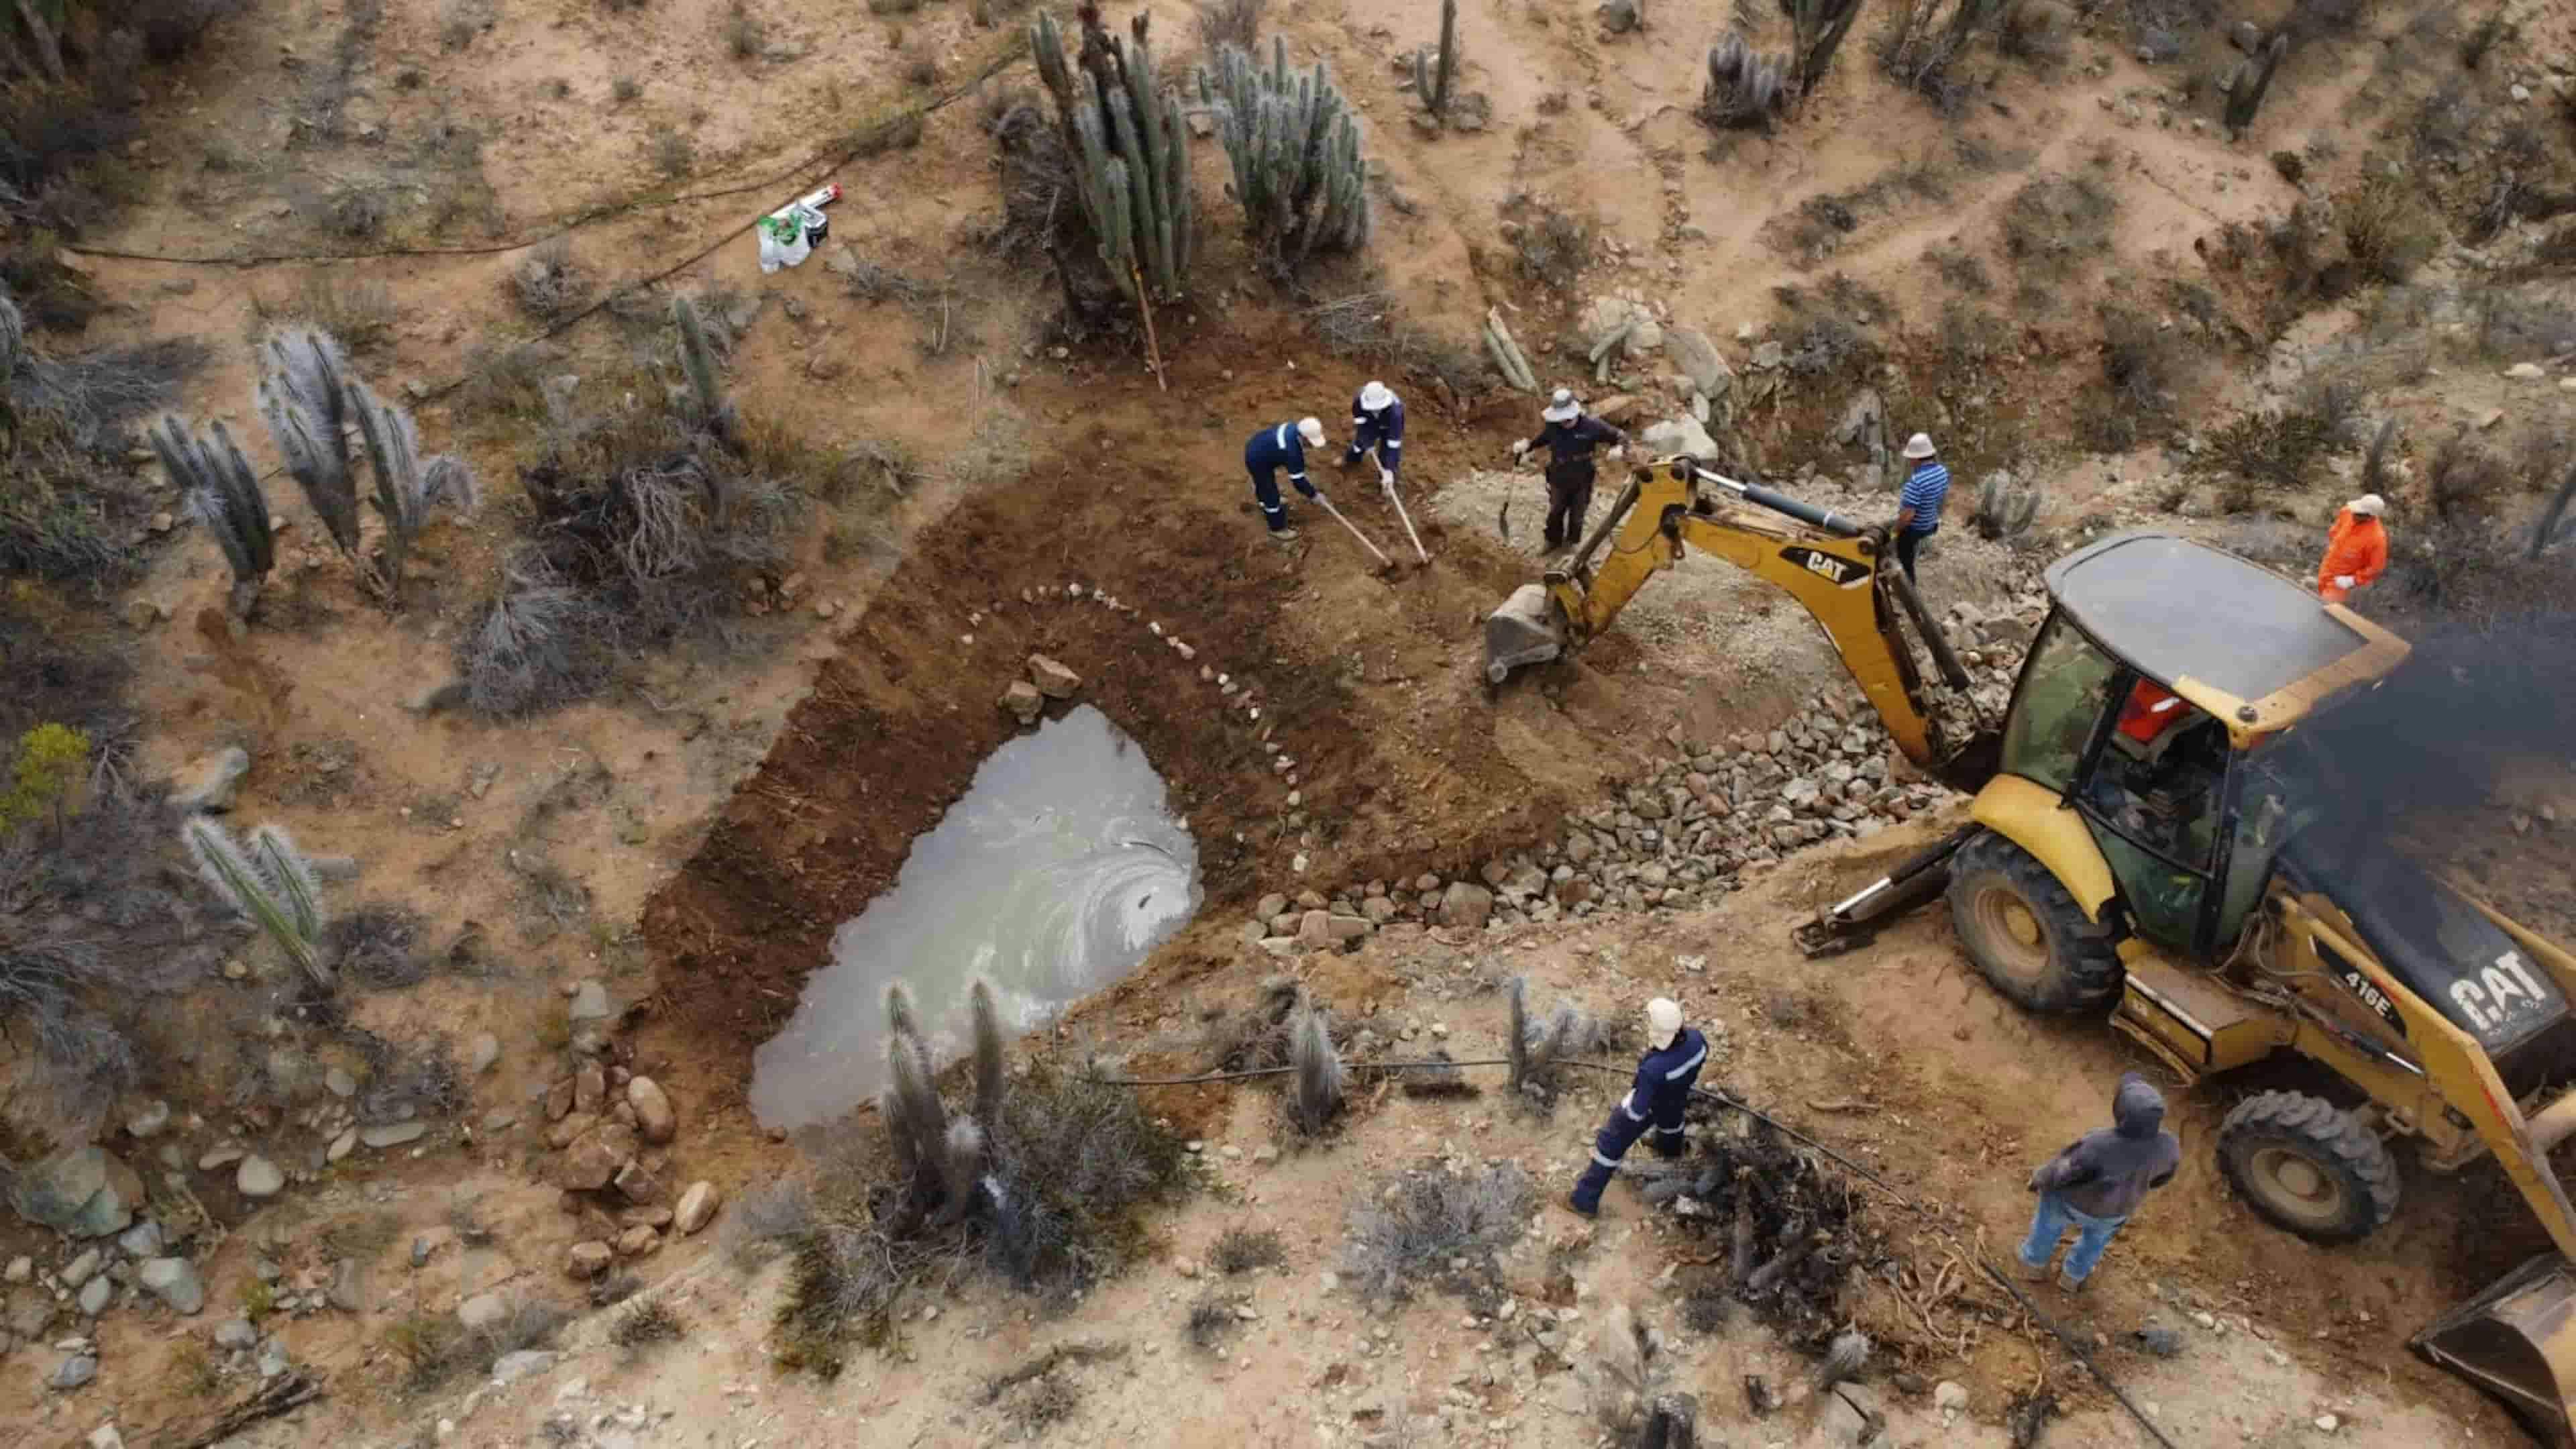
(1240, 1250)
(2055, 222)
(2141, 366)
(2388, 228)
(1211, 1319)
(1229, 22)
(1416, 1227)
(549, 283)
(537, 645)
(2465, 478)
(1553, 249)
(646, 1324)
(375, 946)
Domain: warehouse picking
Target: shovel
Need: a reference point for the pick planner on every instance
(1382, 560)
(1386, 480)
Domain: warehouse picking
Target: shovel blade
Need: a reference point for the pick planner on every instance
(1527, 629)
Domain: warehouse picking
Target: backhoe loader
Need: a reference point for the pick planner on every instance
(2155, 834)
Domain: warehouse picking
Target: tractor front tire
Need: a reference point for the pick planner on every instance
(2307, 1167)
(2026, 933)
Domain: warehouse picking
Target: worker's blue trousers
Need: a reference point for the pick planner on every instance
(1617, 1135)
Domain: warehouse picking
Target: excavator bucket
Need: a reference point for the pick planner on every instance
(2517, 1341)
(1527, 629)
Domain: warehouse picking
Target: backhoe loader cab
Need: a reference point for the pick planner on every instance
(2164, 841)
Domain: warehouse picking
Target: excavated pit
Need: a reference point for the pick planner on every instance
(1061, 867)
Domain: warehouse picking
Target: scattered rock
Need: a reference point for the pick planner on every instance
(340, 1083)
(1950, 1397)
(529, 1362)
(638, 1242)
(595, 1157)
(637, 1184)
(81, 1269)
(1618, 16)
(174, 1281)
(392, 1134)
(81, 1191)
(94, 1296)
(20, 1269)
(1053, 679)
(1023, 702)
(482, 1311)
(589, 1260)
(235, 1334)
(2525, 372)
(482, 1053)
(653, 1114)
(149, 1119)
(75, 1372)
(212, 782)
(589, 1002)
(105, 1436)
(589, 1088)
(2159, 1340)
(341, 1146)
(143, 1240)
(697, 1208)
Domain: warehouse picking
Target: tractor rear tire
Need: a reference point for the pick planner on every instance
(2307, 1167)
(2026, 933)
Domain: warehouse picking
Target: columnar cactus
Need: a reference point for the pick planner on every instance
(1294, 143)
(1820, 26)
(2253, 78)
(1132, 150)
(1743, 89)
(223, 493)
(1431, 75)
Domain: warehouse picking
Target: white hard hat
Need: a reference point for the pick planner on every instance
(1663, 1022)
(1312, 430)
(1562, 408)
(1919, 446)
(2368, 505)
(1375, 397)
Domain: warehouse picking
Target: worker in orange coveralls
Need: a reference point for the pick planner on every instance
(2356, 549)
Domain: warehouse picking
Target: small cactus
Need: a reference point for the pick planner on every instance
(1432, 74)
(1743, 89)
(706, 383)
(2004, 508)
(1819, 27)
(1318, 1067)
(2253, 78)
(223, 493)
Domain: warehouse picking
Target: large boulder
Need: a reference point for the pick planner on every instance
(81, 1191)
(1698, 359)
(1678, 435)
(1466, 905)
(258, 1178)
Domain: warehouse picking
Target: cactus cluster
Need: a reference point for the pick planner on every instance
(1432, 74)
(2004, 508)
(1295, 146)
(1743, 89)
(1131, 150)
(310, 399)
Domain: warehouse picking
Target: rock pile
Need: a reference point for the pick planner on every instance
(1681, 836)
(612, 1128)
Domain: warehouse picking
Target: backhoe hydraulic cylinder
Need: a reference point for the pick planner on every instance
(1807, 513)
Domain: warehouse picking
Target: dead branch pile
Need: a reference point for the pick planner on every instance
(1793, 1231)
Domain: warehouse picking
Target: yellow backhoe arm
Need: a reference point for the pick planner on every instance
(1830, 565)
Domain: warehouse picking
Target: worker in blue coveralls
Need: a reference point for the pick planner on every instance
(1274, 448)
(1377, 421)
(1674, 1055)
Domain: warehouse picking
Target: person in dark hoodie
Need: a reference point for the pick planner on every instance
(2097, 1182)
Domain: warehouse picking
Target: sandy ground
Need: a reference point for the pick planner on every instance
(728, 805)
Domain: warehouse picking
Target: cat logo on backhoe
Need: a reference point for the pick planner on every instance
(1843, 572)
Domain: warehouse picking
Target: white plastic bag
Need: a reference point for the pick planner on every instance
(785, 238)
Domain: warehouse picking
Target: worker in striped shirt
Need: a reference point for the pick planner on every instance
(1918, 508)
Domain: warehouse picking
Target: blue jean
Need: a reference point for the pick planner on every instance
(2049, 1222)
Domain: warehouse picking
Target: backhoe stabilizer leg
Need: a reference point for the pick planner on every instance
(1854, 920)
